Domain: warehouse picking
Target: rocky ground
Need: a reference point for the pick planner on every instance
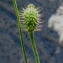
(50, 51)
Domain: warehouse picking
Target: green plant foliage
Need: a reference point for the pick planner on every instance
(20, 30)
(31, 21)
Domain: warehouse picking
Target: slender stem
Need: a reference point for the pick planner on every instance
(34, 47)
(20, 30)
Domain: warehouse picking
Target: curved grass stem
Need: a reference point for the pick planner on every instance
(20, 30)
(31, 34)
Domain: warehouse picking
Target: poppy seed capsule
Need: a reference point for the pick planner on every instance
(30, 17)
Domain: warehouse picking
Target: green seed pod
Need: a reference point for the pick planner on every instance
(30, 17)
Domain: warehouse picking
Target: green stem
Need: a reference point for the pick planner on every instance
(34, 47)
(20, 30)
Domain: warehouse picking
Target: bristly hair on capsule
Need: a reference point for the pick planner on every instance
(31, 19)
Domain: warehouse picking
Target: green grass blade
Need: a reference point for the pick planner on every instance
(20, 30)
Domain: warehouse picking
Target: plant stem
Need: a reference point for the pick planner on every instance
(34, 47)
(20, 30)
